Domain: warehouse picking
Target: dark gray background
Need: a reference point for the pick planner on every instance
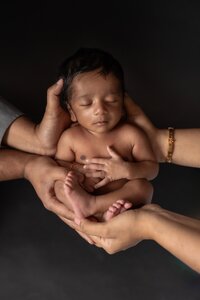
(158, 45)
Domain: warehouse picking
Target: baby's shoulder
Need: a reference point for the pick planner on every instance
(74, 130)
(129, 128)
(70, 134)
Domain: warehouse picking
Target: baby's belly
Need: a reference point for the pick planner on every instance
(112, 186)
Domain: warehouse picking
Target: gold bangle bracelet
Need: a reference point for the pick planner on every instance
(171, 142)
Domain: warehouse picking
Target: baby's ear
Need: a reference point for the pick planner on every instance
(72, 115)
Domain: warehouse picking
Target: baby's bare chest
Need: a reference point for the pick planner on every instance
(91, 148)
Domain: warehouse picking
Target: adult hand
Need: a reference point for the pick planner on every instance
(157, 137)
(54, 121)
(41, 139)
(73, 225)
(43, 172)
(123, 231)
(114, 235)
(110, 169)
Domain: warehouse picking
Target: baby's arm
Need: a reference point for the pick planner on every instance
(64, 147)
(115, 167)
(65, 154)
(145, 165)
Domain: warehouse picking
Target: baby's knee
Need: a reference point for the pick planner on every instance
(145, 190)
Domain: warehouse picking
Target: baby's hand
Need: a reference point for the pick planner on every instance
(108, 169)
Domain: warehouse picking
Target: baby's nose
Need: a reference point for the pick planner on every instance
(100, 108)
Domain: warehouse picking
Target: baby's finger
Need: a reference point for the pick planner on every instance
(102, 183)
(96, 160)
(94, 166)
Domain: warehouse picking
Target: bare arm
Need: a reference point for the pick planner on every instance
(178, 234)
(65, 147)
(145, 165)
(114, 168)
(41, 171)
(187, 144)
(42, 139)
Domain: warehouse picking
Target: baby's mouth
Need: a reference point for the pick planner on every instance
(100, 122)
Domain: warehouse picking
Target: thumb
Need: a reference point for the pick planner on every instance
(112, 152)
(90, 227)
(53, 94)
(57, 87)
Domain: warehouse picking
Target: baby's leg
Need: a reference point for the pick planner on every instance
(138, 192)
(82, 203)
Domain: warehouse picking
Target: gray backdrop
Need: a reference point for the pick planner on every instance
(158, 45)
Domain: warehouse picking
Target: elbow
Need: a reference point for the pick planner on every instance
(155, 171)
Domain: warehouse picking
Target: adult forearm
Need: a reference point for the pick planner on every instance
(12, 164)
(22, 135)
(186, 147)
(178, 234)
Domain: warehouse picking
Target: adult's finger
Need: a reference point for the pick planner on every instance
(75, 227)
(54, 205)
(97, 229)
(53, 93)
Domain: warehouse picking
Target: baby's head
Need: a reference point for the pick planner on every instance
(93, 88)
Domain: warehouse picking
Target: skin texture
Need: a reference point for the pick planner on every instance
(42, 138)
(97, 105)
(178, 234)
(42, 172)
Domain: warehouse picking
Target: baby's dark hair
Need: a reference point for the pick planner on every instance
(86, 60)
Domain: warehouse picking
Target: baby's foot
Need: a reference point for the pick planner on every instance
(81, 202)
(116, 208)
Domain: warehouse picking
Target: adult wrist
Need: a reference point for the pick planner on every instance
(28, 165)
(161, 145)
(145, 224)
(148, 221)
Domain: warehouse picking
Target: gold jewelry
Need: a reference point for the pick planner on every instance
(171, 142)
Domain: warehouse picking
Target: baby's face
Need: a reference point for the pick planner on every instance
(97, 101)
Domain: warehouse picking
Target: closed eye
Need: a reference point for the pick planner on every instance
(85, 103)
(111, 100)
